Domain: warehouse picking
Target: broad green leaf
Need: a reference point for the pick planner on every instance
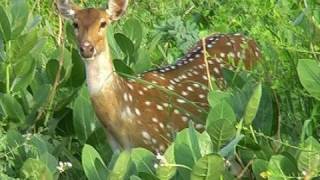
(52, 70)
(253, 105)
(78, 75)
(309, 157)
(167, 171)
(143, 160)
(259, 167)
(124, 43)
(122, 167)
(281, 167)
(217, 97)
(50, 161)
(143, 62)
(115, 49)
(35, 169)
(25, 73)
(12, 108)
(23, 45)
(99, 140)
(121, 67)
(134, 30)
(5, 27)
(84, 118)
(221, 125)
(309, 75)
(182, 149)
(14, 142)
(209, 167)
(39, 144)
(194, 142)
(205, 143)
(93, 165)
(266, 119)
(134, 177)
(19, 12)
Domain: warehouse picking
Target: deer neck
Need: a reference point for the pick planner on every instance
(100, 73)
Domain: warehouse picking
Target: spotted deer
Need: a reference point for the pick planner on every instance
(148, 110)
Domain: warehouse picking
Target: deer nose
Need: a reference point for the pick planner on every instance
(87, 50)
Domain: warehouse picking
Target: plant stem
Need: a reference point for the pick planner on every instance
(253, 135)
(58, 75)
(8, 78)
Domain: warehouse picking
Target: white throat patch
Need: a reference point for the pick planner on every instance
(99, 72)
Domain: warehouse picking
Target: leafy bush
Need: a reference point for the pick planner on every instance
(265, 125)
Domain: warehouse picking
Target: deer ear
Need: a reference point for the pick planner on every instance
(116, 8)
(67, 8)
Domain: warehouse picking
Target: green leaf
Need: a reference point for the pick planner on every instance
(19, 12)
(217, 97)
(184, 147)
(166, 172)
(52, 70)
(143, 62)
(92, 163)
(134, 30)
(39, 144)
(14, 142)
(25, 73)
(35, 169)
(12, 108)
(253, 105)
(309, 157)
(5, 27)
(122, 68)
(221, 125)
(99, 140)
(50, 161)
(209, 167)
(143, 160)
(205, 143)
(24, 45)
(124, 43)
(84, 118)
(78, 75)
(259, 166)
(122, 167)
(281, 167)
(309, 75)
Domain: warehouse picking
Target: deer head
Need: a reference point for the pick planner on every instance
(90, 24)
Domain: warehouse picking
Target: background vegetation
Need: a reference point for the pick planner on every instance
(264, 126)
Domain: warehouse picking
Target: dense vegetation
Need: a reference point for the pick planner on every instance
(264, 126)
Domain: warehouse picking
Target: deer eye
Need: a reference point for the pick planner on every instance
(103, 24)
(75, 25)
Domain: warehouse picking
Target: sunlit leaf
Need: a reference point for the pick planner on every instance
(259, 166)
(84, 118)
(221, 125)
(253, 105)
(167, 171)
(309, 157)
(281, 167)
(209, 167)
(12, 108)
(36, 169)
(143, 159)
(309, 75)
(5, 27)
(93, 164)
(122, 167)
